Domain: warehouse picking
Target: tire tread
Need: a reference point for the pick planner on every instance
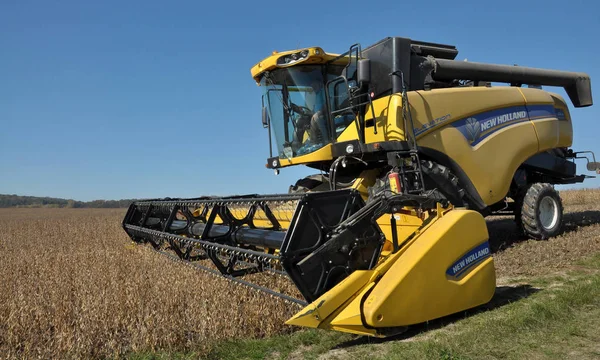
(527, 216)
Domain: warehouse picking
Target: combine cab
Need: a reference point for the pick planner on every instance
(415, 148)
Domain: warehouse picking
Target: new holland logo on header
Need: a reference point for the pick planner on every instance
(468, 261)
(480, 126)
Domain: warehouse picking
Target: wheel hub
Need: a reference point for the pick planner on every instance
(548, 212)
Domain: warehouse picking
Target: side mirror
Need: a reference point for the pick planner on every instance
(593, 166)
(364, 71)
(265, 117)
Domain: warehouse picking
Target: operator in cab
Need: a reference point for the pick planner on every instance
(315, 101)
(316, 124)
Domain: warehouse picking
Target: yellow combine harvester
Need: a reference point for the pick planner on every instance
(414, 149)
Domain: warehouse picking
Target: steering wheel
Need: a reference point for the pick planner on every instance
(301, 110)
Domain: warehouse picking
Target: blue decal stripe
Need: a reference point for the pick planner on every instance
(478, 127)
(471, 265)
(541, 111)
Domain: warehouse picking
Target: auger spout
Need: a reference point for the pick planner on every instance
(577, 84)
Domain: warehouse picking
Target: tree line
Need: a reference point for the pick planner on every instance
(7, 201)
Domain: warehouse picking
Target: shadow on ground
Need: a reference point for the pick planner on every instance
(504, 295)
(504, 233)
(575, 220)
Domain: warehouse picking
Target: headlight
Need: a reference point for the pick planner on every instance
(292, 58)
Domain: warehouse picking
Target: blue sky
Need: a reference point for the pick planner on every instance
(122, 99)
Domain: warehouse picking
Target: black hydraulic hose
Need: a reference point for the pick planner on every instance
(333, 171)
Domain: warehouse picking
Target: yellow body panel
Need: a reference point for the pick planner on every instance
(365, 180)
(491, 161)
(546, 127)
(491, 164)
(417, 288)
(350, 318)
(390, 124)
(316, 313)
(551, 132)
(350, 133)
(565, 126)
(409, 225)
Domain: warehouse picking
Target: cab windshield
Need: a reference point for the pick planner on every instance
(295, 98)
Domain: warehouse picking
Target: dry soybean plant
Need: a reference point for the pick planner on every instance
(72, 285)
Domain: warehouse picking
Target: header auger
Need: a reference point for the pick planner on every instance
(414, 149)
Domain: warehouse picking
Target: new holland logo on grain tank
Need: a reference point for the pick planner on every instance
(480, 126)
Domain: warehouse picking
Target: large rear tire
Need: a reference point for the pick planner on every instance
(541, 212)
(443, 182)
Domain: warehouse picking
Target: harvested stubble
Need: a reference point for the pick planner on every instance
(72, 285)
(515, 257)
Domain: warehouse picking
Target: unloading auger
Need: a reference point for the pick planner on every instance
(414, 149)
